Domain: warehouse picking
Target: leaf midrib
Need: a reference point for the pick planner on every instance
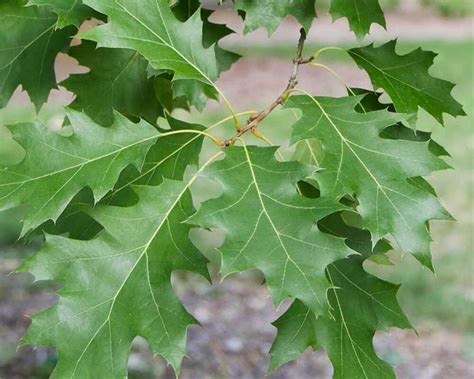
(82, 164)
(24, 48)
(178, 150)
(349, 335)
(142, 254)
(169, 44)
(397, 79)
(368, 294)
(347, 143)
(276, 231)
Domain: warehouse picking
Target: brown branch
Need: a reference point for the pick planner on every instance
(254, 121)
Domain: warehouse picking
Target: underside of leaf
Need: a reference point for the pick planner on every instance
(118, 286)
(57, 167)
(110, 192)
(361, 304)
(360, 14)
(151, 28)
(69, 12)
(377, 170)
(269, 13)
(406, 79)
(29, 47)
(254, 182)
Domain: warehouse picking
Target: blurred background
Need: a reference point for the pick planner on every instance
(236, 315)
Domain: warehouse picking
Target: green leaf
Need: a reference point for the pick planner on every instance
(357, 239)
(29, 47)
(69, 12)
(308, 151)
(406, 79)
(194, 92)
(11, 152)
(400, 132)
(269, 13)
(117, 79)
(371, 102)
(74, 222)
(358, 161)
(118, 286)
(360, 14)
(151, 28)
(168, 158)
(356, 295)
(361, 305)
(296, 332)
(172, 155)
(197, 94)
(164, 91)
(56, 168)
(269, 226)
(212, 32)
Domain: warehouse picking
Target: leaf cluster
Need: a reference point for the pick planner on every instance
(112, 191)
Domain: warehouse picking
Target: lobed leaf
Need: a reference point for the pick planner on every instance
(118, 286)
(357, 160)
(56, 167)
(371, 102)
(118, 80)
(360, 14)
(69, 12)
(270, 227)
(121, 194)
(406, 79)
(168, 158)
(151, 28)
(195, 92)
(268, 13)
(212, 33)
(361, 304)
(30, 44)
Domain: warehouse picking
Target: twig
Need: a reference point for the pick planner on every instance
(255, 120)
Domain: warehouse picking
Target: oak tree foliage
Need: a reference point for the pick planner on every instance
(112, 192)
